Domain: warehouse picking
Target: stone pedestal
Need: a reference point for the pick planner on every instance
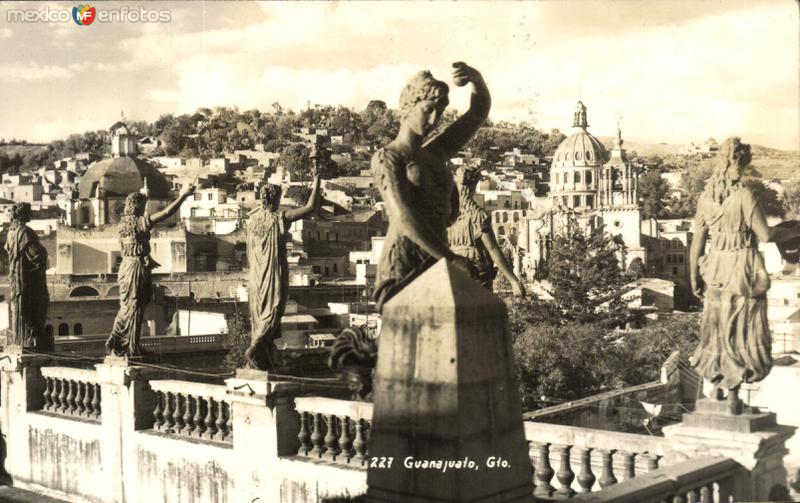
(446, 398)
(752, 438)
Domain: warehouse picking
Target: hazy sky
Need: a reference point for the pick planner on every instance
(675, 71)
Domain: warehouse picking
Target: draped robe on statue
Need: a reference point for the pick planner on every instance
(27, 260)
(268, 285)
(135, 287)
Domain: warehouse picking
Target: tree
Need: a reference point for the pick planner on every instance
(295, 160)
(791, 197)
(237, 340)
(587, 276)
(635, 269)
(653, 191)
(767, 197)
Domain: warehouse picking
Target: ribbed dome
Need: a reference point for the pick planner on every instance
(580, 149)
(121, 176)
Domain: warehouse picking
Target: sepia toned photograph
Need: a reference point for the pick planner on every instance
(400, 252)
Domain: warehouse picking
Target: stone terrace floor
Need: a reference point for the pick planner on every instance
(15, 495)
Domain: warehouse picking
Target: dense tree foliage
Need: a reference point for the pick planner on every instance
(237, 340)
(653, 194)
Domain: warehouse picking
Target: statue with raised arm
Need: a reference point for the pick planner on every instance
(134, 275)
(472, 237)
(27, 265)
(416, 184)
(729, 274)
(269, 269)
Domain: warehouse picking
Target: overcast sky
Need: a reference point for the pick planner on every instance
(674, 71)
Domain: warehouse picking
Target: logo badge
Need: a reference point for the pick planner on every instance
(84, 14)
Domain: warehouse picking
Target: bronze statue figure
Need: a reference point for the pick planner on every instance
(729, 274)
(134, 275)
(415, 183)
(269, 270)
(472, 237)
(27, 260)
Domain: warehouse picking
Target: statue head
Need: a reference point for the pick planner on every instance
(271, 196)
(135, 205)
(422, 102)
(467, 178)
(731, 160)
(21, 212)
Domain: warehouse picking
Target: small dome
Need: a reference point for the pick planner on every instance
(121, 176)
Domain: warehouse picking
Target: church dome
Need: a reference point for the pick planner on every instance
(580, 149)
(120, 176)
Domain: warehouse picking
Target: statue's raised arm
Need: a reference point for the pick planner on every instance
(461, 131)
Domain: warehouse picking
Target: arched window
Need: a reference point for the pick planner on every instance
(84, 291)
(516, 217)
(77, 329)
(501, 231)
(577, 177)
(588, 178)
(558, 178)
(505, 217)
(577, 156)
(63, 329)
(588, 155)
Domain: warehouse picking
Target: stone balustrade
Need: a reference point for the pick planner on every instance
(704, 479)
(584, 459)
(191, 409)
(334, 430)
(72, 392)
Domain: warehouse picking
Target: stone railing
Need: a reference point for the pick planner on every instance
(587, 459)
(705, 479)
(334, 430)
(95, 345)
(194, 410)
(72, 392)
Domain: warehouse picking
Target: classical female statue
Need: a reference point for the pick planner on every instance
(415, 183)
(269, 270)
(27, 261)
(472, 237)
(729, 274)
(135, 284)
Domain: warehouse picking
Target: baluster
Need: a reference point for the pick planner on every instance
(316, 436)
(345, 442)
(46, 395)
(211, 426)
(679, 499)
(158, 413)
(628, 465)
(79, 389)
(360, 444)
(54, 403)
(199, 425)
(96, 406)
(707, 493)
(71, 398)
(693, 496)
(168, 412)
(87, 399)
(303, 436)
(607, 478)
(62, 397)
(188, 415)
(177, 414)
(586, 478)
(220, 421)
(565, 474)
(544, 472)
(331, 439)
(652, 462)
(229, 421)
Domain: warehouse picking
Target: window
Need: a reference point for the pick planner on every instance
(564, 200)
(577, 177)
(576, 201)
(590, 201)
(212, 213)
(63, 329)
(78, 329)
(505, 217)
(558, 178)
(335, 268)
(588, 178)
(674, 271)
(201, 262)
(516, 217)
(198, 196)
(326, 271)
(501, 231)
(84, 214)
(210, 196)
(315, 269)
(193, 212)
